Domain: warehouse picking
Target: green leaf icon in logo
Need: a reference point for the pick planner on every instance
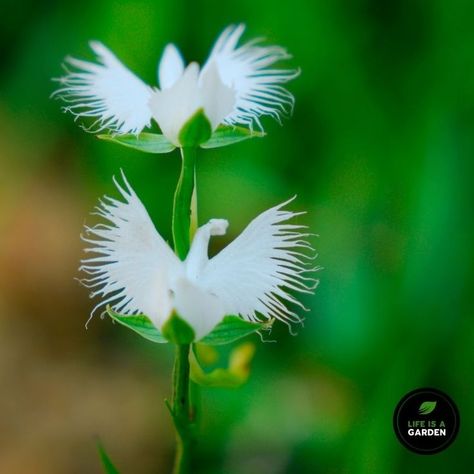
(426, 408)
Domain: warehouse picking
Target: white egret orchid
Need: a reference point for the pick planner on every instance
(135, 271)
(235, 86)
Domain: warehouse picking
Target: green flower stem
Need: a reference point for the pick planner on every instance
(182, 202)
(181, 411)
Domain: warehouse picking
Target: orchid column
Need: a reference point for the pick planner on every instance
(183, 296)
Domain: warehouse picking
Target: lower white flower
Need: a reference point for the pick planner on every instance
(235, 86)
(135, 270)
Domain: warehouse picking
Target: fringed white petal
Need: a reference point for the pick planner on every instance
(254, 274)
(247, 70)
(108, 92)
(133, 265)
(171, 67)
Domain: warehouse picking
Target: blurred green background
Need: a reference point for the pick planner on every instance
(380, 152)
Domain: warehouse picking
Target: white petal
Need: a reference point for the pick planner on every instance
(171, 67)
(252, 275)
(199, 308)
(133, 266)
(197, 257)
(246, 69)
(108, 92)
(218, 99)
(173, 107)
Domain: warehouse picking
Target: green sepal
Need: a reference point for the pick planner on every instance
(196, 130)
(107, 464)
(227, 135)
(146, 142)
(177, 330)
(138, 323)
(232, 328)
(236, 374)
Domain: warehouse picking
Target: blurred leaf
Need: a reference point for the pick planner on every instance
(234, 376)
(146, 142)
(426, 408)
(178, 331)
(109, 468)
(140, 324)
(232, 328)
(228, 135)
(207, 355)
(196, 130)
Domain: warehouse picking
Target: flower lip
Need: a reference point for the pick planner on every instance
(108, 92)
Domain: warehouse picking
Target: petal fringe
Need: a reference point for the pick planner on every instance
(132, 265)
(256, 274)
(108, 92)
(247, 69)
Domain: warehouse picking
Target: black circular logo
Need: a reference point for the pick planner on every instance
(426, 421)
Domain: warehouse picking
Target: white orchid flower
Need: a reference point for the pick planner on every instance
(235, 86)
(136, 272)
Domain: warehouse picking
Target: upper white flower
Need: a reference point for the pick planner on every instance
(235, 86)
(135, 270)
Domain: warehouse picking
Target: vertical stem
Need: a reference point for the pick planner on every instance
(181, 392)
(182, 202)
(194, 210)
(181, 412)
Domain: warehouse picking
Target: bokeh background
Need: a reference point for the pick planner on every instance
(380, 152)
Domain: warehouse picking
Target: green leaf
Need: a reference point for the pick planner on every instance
(196, 130)
(109, 468)
(232, 328)
(227, 135)
(178, 331)
(147, 142)
(139, 323)
(426, 408)
(236, 374)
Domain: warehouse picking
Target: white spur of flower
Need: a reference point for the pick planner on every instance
(236, 85)
(136, 272)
